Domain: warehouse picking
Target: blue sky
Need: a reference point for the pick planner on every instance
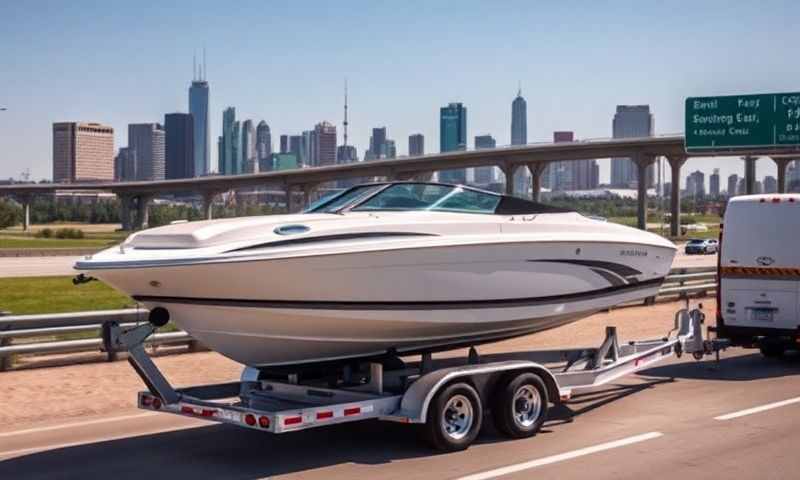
(285, 62)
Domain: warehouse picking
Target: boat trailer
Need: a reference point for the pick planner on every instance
(448, 396)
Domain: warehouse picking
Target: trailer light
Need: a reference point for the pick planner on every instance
(250, 419)
(156, 403)
(147, 400)
(352, 411)
(791, 200)
(324, 415)
(292, 420)
(761, 201)
(208, 412)
(186, 409)
(263, 422)
(776, 200)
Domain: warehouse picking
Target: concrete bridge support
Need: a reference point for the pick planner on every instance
(508, 170)
(26, 200)
(125, 211)
(783, 164)
(750, 174)
(675, 164)
(309, 194)
(642, 162)
(208, 203)
(537, 170)
(291, 206)
(143, 211)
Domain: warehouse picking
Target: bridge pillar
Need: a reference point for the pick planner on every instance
(125, 210)
(26, 200)
(143, 211)
(675, 164)
(782, 164)
(642, 162)
(309, 189)
(750, 174)
(290, 200)
(208, 204)
(508, 171)
(536, 169)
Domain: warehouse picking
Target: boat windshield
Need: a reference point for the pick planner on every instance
(334, 203)
(431, 197)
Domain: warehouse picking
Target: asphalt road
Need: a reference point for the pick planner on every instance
(680, 419)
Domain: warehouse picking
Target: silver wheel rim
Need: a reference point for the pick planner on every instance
(527, 406)
(458, 417)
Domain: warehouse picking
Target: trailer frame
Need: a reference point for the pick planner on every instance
(398, 394)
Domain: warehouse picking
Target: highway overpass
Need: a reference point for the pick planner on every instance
(136, 196)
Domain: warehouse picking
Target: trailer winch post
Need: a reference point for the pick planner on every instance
(117, 339)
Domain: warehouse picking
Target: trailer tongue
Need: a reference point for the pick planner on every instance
(448, 396)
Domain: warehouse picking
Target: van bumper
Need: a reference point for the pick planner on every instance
(751, 336)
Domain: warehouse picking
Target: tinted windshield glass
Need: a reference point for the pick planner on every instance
(420, 196)
(695, 242)
(343, 199)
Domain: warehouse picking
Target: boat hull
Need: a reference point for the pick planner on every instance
(315, 308)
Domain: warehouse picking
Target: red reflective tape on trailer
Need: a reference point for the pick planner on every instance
(352, 411)
(292, 420)
(324, 415)
(188, 410)
(208, 412)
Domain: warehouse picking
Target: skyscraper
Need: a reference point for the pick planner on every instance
(296, 147)
(284, 144)
(125, 165)
(572, 174)
(324, 144)
(630, 121)
(696, 184)
(452, 137)
(484, 175)
(230, 143)
(248, 164)
(733, 183)
(770, 184)
(713, 184)
(198, 107)
(179, 131)
(390, 148)
(519, 136)
(263, 142)
(82, 152)
(147, 139)
(346, 154)
(416, 145)
(377, 142)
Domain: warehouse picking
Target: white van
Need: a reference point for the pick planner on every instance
(759, 273)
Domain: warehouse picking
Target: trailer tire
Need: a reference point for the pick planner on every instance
(772, 349)
(520, 405)
(454, 418)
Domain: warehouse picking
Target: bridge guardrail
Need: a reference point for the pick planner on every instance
(681, 282)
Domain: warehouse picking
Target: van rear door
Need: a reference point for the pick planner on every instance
(760, 263)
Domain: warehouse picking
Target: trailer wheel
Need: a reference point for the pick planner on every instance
(454, 418)
(520, 405)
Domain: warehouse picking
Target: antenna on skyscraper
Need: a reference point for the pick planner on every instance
(519, 89)
(205, 68)
(194, 66)
(345, 112)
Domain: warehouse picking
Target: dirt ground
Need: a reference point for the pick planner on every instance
(36, 396)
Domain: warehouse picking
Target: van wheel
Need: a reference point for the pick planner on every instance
(772, 349)
(520, 405)
(454, 418)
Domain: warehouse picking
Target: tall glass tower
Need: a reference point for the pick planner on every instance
(453, 136)
(198, 107)
(519, 136)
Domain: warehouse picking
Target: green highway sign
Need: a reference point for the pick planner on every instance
(742, 122)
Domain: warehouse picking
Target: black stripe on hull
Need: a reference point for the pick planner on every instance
(424, 305)
(618, 268)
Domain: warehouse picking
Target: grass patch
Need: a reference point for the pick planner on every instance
(29, 295)
(20, 241)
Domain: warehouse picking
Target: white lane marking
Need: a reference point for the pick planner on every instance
(561, 457)
(22, 451)
(762, 408)
(74, 424)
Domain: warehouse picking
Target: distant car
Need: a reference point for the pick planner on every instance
(702, 247)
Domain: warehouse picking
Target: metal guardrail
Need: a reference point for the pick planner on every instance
(681, 282)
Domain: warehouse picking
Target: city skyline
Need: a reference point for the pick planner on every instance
(558, 101)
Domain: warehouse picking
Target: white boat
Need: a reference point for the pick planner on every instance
(383, 269)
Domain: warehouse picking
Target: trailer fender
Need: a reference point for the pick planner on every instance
(416, 400)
